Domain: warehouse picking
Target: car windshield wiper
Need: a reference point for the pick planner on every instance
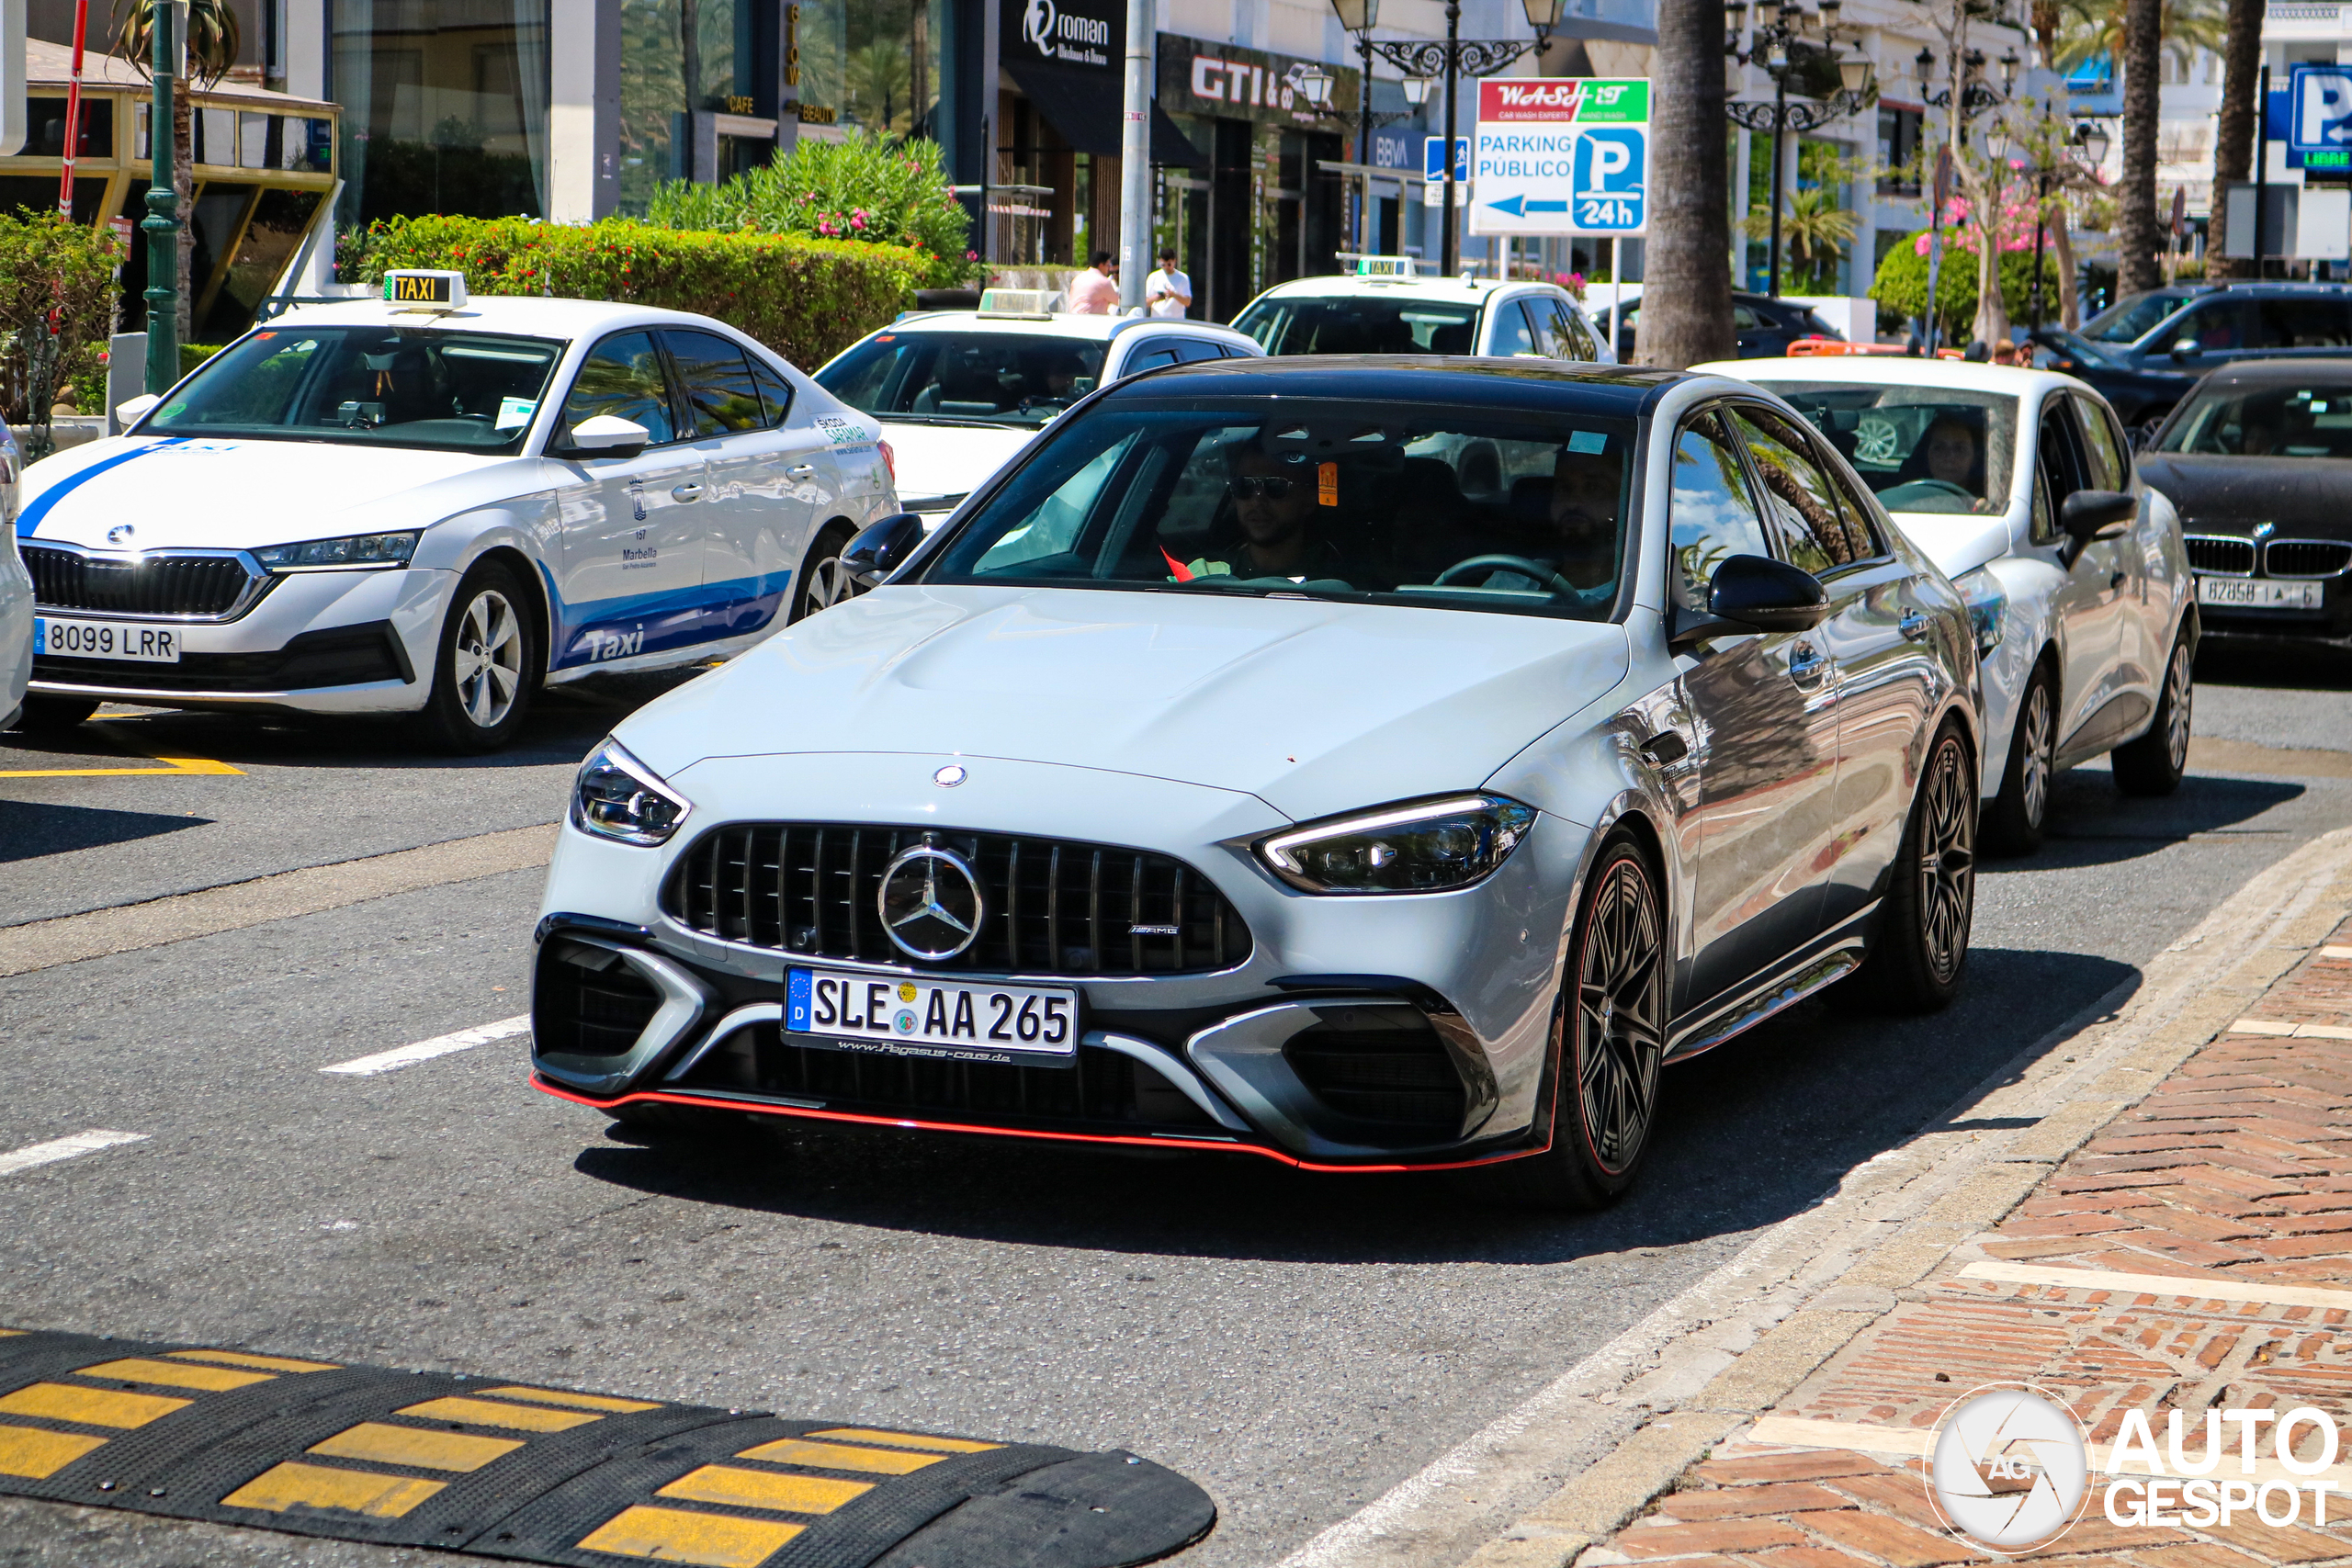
(949, 418)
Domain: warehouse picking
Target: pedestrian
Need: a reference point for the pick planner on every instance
(1095, 291)
(1166, 292)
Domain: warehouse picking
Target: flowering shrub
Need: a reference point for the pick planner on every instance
(807, 299)
(47, 265)
(1571, 281)
(1902, 282)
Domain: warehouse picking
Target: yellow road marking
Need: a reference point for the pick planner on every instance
(171, 765)
(94, 1407)
(265, 1363)
(9, 1333)
(675, 1535)
(762, 1489)
(374, 1440)
(489, 1413)
(908, 1439)
(565, 1396)
(174, 1374)
(834, 1456)
(38, 1455)
(286, 1487)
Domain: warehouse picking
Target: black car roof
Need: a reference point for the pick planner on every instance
(2302, 369)
(1621, 392)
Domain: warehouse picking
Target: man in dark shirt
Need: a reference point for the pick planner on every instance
(1273, 499)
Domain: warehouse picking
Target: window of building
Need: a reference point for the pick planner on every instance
(445, 107)
(1898, 151)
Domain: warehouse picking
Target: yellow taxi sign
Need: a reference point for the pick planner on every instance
(429, 290)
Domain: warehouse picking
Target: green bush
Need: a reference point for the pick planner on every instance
(48, 263)
(805, 299)
(1901, 284)
(195, 354)
(866, 188)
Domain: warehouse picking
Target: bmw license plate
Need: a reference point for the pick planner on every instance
(53, 638)
(2261, 593)
(951, 1020)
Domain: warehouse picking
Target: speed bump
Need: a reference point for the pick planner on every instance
(538, 1474)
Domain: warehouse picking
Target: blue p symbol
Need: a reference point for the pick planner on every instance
(1610, 162)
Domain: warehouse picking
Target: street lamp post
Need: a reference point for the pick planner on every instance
(1358, 17)
(162, 223)
(1774, 48)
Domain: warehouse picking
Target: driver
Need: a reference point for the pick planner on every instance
(1273, 497)
(1951, 454)
(1061, 376)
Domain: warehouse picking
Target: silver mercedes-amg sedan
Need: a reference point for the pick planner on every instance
(1366, 764)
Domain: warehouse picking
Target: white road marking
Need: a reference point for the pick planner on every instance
(425, 1050)
(88, 1142)
(2187, 1286)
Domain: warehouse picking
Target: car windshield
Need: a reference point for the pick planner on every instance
(1366, 501)
(1361, 324)
(972, 378)
(1921, 448)
(2129, 320)
(449, 391)
(2073, 345)
(2277, 419)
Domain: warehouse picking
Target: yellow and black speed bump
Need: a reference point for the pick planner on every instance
(552, 1475)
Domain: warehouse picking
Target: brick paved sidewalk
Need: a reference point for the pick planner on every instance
(2235, 1174)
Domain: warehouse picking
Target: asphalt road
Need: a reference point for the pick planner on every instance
(1297, 1344)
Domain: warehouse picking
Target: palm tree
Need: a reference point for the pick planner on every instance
(2233, 137)
(2136, 239)
(2089, 29)
(213, 41)
(1686, 310)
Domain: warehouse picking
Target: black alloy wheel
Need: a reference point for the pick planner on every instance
(1921, 950)
(2013, 822)
(2155, 763)
(822, 583)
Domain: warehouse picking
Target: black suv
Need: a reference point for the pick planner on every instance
(2194, 327)
(1765, 326)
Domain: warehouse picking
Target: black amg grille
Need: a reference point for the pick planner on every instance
(1051, 906)
(588, 1002)
(151, 585)
(1381, 1064)
(2209, 554)
(2305, 558)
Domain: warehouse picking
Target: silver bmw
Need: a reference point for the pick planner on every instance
(1363, 764)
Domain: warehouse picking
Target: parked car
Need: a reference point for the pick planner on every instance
(1390, 307)
(960, 392)
(1765, 326)
(1234, 773)
(371, 508)
(16, 591)
(2259, 462)
(2019, 484)
(2142, 398)
(2192, 328)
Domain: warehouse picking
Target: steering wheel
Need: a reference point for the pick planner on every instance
(1520, 564)
(1946, 487)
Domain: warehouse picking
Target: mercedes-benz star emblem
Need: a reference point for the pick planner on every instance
(950, 776)
(120, 534)
(929, 903)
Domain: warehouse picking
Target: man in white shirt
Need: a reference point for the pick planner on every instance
(1166, 292)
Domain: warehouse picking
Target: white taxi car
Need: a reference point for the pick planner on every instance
(370, 508)
(2019, 484)
(1388, 306)
(959, 392)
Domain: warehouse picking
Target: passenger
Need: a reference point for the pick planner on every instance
(1585, 488)
(1273, 497)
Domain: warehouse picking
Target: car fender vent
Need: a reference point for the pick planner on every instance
(1387, 1065)
(589, 1002)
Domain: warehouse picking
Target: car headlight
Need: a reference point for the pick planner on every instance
(1988, 606)
(1428, 846)
(354, 550)
(618, 798)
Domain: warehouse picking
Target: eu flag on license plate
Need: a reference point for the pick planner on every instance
(796, 999)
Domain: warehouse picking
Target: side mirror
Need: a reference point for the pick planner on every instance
(1770, 595)
(2089, 514)
(609, 435)
(881, 549)
(2187, 348)
(131, 410)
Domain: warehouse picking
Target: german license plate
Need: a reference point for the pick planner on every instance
(53, 638)
(952, 1020)
(2261, 593)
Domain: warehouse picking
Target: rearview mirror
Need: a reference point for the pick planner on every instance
(131, 410)
(609, 435)
(881, 549)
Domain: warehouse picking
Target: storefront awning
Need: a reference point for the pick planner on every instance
(1085, 105)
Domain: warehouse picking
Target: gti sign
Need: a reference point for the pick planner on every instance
(1561, 156)
(2319, 116)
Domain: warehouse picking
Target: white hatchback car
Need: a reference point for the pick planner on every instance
(367, 509)
(15, 593)
(1387, 307)
(959, 392)
(2019, 484)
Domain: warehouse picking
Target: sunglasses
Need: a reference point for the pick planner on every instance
(1274, 487)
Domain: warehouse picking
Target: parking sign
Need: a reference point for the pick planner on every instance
(1566, 155)
(2319, 115)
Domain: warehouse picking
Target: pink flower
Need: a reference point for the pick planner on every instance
(858, 222)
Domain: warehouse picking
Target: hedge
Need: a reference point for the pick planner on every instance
(805, 299)
(1901, 284)
(47, 263)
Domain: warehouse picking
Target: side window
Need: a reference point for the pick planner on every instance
(2292, 322)
(2043, 529)
(1744, 320)
(1802, 507)
(776, 392)
(1192, 350)
(622, 376)
(720, 395)
(1582, 344)
(2054, 472)
(2110, 468)
(1862, 528)
(1713, 513)
(2221, 324)
(1149, 355)
(1512, 333)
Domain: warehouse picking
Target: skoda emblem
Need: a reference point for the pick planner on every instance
(929, 903)
(950, 776)
(120, 534)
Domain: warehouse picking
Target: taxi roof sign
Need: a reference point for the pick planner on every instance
(425, 290)
(1386, 266)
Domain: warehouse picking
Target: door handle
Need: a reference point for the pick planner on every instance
(1666, 748)
(685, 492)
(1807, 664)
(801, 471)
(1914, 624)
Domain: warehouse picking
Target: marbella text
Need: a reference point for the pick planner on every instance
(2182, 1488)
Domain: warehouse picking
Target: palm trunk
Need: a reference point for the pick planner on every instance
(184, 184)
(2136, 238)
(2234, 136)
(2062, 240)
(1686, 313)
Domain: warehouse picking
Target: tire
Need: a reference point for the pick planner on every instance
(488, 665)
(54, 713)
(822, 584)
(2153, 764)
(1608, 1039)
(2013, 822)
(1920, 955)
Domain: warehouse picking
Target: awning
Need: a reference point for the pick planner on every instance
(1085, 105)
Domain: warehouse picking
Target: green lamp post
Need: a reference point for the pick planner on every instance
(162, 223)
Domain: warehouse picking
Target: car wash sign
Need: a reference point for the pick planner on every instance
(1561, 156)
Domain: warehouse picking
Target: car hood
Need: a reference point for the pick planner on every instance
(1956, 542)
(933, 460)
(2303, 495)
(1313, 708)
(239, 494)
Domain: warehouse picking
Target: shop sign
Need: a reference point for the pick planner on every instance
(1231, 82)
(1567, 156)
(1089, 35)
